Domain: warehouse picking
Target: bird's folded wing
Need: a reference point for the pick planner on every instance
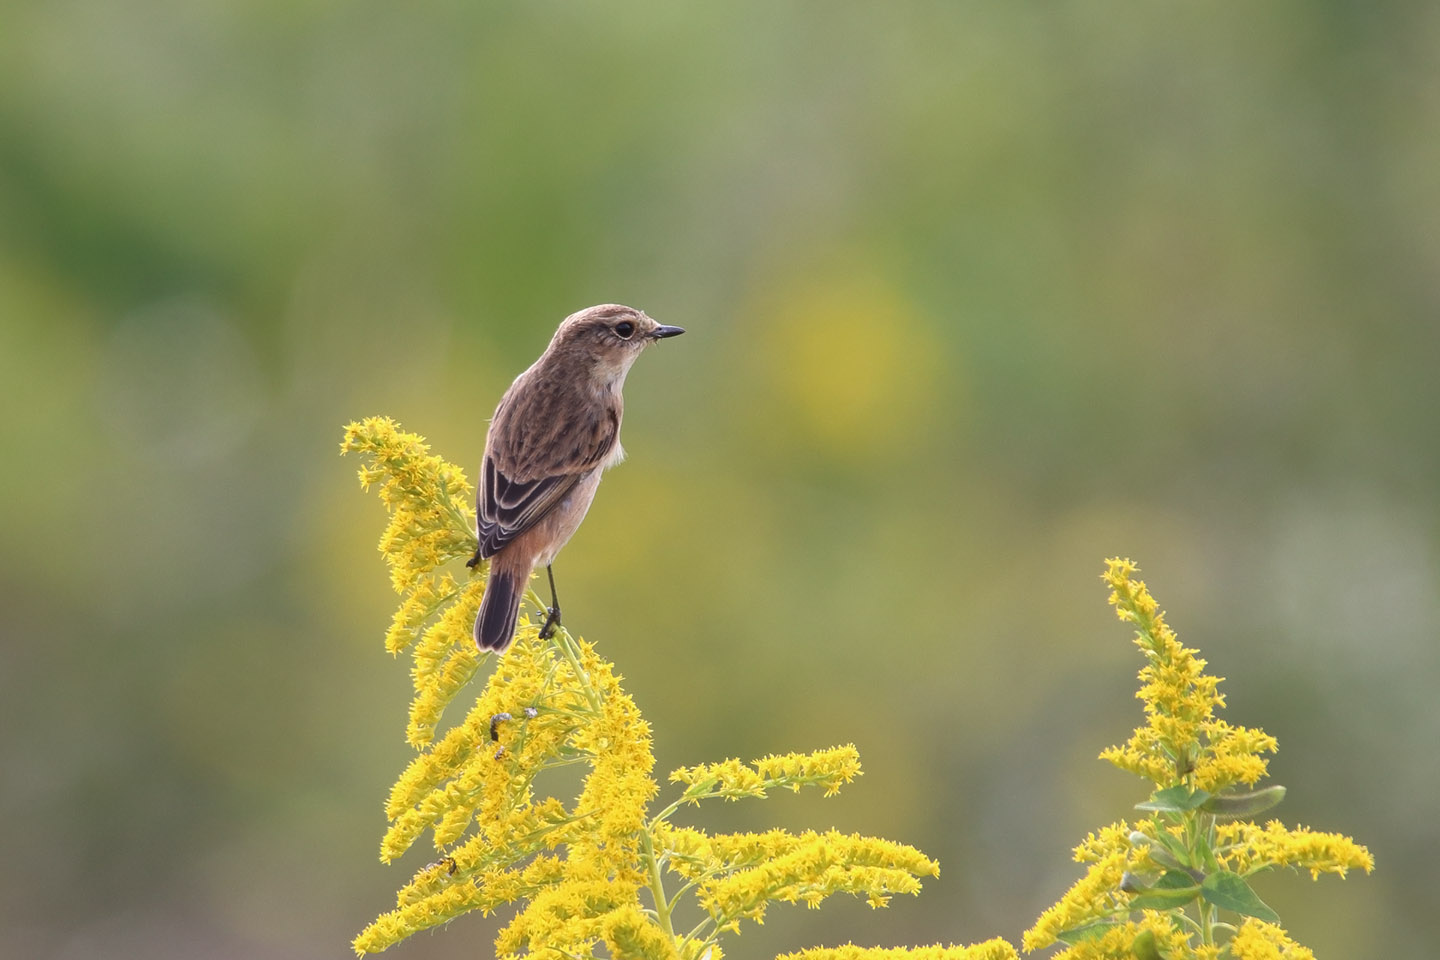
(551, 460)
(508, 508)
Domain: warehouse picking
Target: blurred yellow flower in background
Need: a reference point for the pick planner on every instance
(853, 359)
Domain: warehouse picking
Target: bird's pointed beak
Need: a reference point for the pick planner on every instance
(661, 332)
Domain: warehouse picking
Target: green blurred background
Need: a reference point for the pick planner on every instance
(978, 294)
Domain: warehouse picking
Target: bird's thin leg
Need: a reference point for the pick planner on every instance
(475, 560)
(552, 613)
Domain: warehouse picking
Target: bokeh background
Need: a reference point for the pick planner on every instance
(978, 294)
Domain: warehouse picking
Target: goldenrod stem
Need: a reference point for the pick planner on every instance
(657, 886)
(563, 642)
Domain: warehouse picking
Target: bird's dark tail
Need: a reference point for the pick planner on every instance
(495, 624)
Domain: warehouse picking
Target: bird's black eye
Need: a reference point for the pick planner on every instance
(624, 329)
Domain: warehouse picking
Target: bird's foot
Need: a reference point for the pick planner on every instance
(552, 620)
(474, 561)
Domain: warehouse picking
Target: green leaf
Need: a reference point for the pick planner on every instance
(1162, 856)
(1174, 889)
(1165, 848)
(1204, 855)
(1229, 891)
(1234, 805)
(1087, 931)
(1176, 799)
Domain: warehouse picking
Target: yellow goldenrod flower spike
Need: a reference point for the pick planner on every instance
(426, 597)
(463, 776)
(1247, 848)
(1258, 940)
(1195, 850)
(1159, 936)
(428, 499)
(435, 690)
(627, 932)
(996, 949)
(1120, 838)
(731, 779)
(1095, 895)
(449, 634)
(808, 868)
(1182, 741)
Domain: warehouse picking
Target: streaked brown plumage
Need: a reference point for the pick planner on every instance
(555, 431)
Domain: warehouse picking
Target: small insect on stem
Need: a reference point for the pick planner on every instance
(530, 714)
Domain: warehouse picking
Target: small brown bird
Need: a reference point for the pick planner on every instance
(555, 430)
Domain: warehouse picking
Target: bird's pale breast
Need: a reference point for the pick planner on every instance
(560, 524)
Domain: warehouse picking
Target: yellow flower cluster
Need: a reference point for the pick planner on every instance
(479, 779)
(445, 659)
(628, 933)
(737, 875)
(466, 775)
(1232, 755)
(1153, 936)
(731, 779)
(431, 523)
(581, 871)
(619, 786)
(571, 917)
(1182, 740)
(1095, 895)
(996, 949)
(1247, 848)
(1258, 940)
(429, 500)
(1195, 849)
(1116, 838)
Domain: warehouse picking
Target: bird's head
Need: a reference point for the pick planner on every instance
(607, 338)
